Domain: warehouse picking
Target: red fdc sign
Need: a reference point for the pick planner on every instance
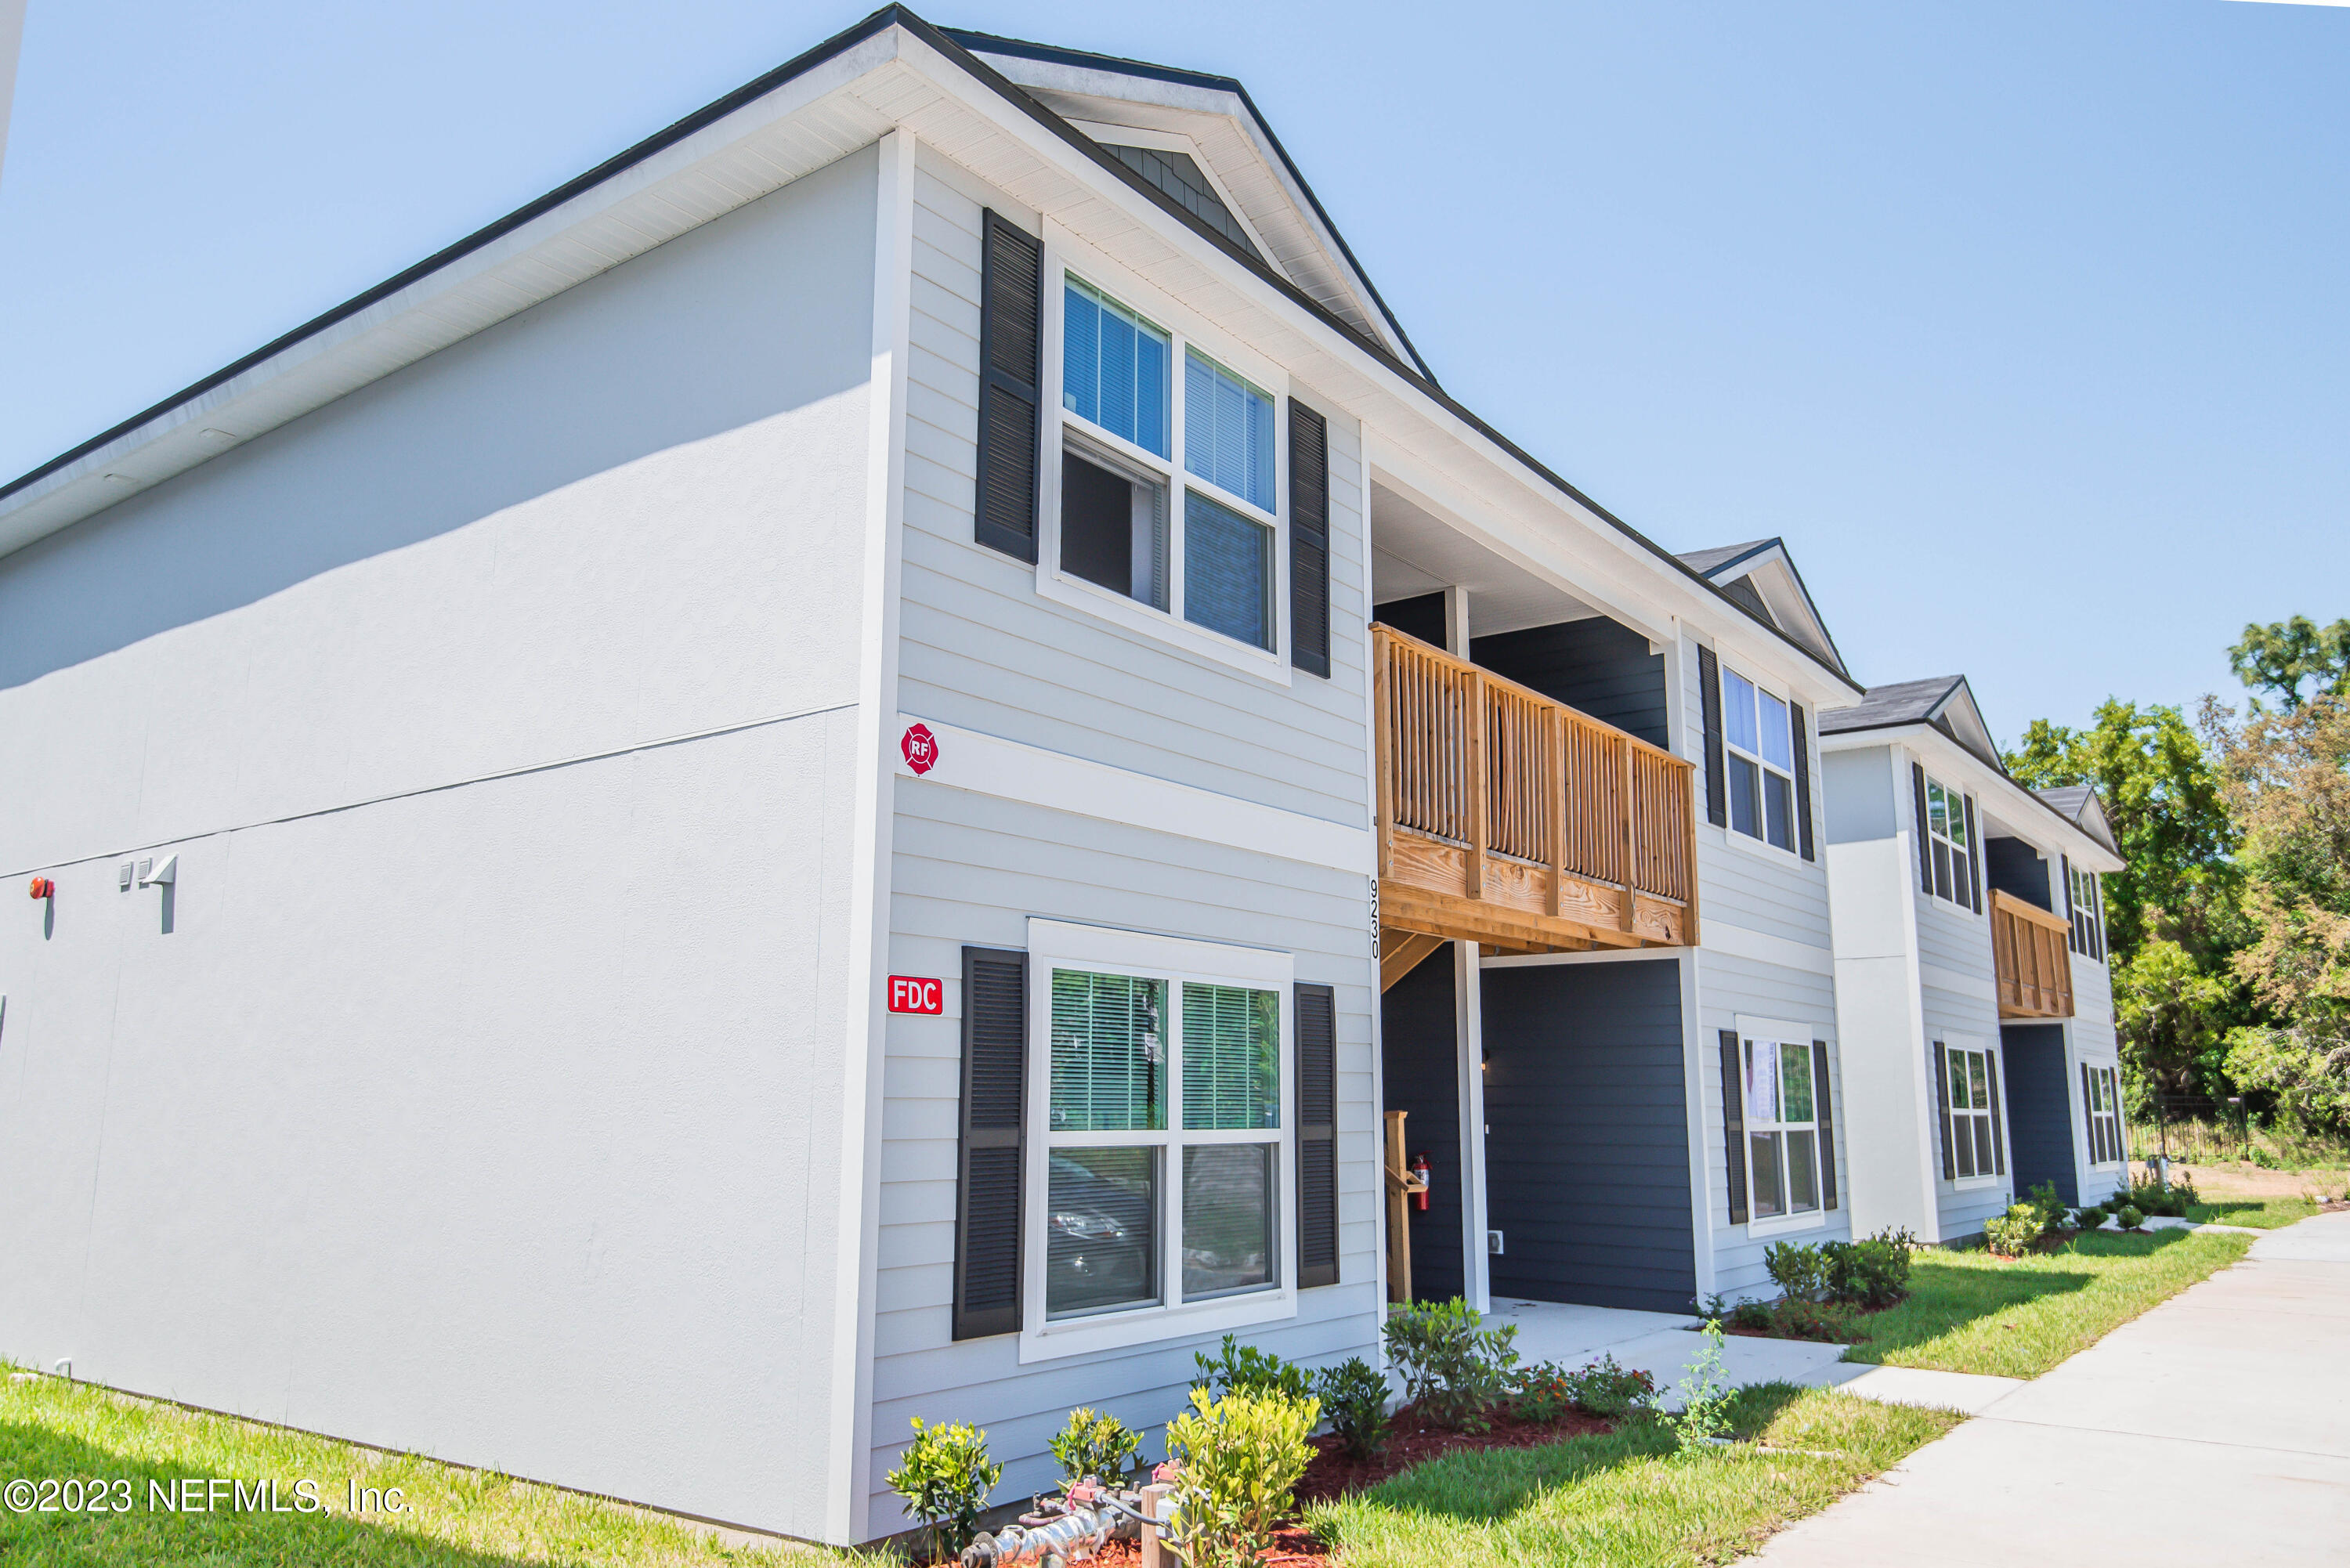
(911, 994)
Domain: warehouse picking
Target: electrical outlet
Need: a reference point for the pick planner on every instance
(1493, 1242)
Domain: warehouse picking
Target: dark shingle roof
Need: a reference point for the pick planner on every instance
(1902, 702)
(1705, 561)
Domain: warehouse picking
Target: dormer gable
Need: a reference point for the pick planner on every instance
(1760, 576)
(1202, 142)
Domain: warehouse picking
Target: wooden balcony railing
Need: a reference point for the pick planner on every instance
(2029, 949)
(1513, 820)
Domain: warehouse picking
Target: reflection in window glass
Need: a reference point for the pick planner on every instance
(1231, 1058)
(1227, 572)
(1109, 1055)
(1228, 1239)
(1100, 1252)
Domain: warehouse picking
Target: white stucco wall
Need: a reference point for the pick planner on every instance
(484, 1096)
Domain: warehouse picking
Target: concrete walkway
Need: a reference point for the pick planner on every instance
(2213, 1429)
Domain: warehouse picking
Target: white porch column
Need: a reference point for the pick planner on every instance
(1468, 1034)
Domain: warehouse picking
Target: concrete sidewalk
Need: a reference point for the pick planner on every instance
(2214, 1429)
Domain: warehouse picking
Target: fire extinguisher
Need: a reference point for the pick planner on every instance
(1420, 1168)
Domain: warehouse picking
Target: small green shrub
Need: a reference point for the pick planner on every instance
(2050, 1208)
(1828, 1321)
(1238, 1367)
(1799, 1270)
(1354, 1397)
(1705, 1396)
(1735, 1314)
(1544, 1396)
(2090, 1217)
(2155, 1197)
(1237, 1458)
(945, 1478)
(2011, 1234)
(1611, 1392)
(1095, 1445)
(1873, 1272)
(1454, 1371)
(2130, 1218)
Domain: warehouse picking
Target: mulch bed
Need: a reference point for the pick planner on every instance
(1413, 1440)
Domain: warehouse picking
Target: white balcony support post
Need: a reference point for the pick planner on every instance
(1469, 1031)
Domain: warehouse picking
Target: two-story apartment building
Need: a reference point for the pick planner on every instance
(846, 769)
(1971, 982)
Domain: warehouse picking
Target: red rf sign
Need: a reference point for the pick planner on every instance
(911, 994)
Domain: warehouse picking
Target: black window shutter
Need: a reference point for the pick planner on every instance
(1925, 834)
(1974, 863)
(1309, 540)
(1708, 679)
(1942, 1098)
(1733, 1126)
(1317, 1135)
(1824, 1103)
(1010, 323)
(987, 1185)
(2097, 918)
(2089, 1118)
(1803, 781)
(1998, 1114)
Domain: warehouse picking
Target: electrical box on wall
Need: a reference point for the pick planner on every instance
(1493, 1242)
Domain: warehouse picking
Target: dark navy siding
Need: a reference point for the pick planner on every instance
(1422, 618)
(1587, 1143)
(1422, 1072)
(1596, 665)
(2010, 866)
(2040, 1131)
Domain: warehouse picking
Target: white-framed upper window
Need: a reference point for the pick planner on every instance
(1951, 842)
(1164, 472)
(2088, 914)
(1759, 739)
(1784, 1148)
(2104, 1118)
(1978, 1150)
(1160, 1081)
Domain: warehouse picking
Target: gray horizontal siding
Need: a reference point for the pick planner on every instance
(1765, 890)
(971, 868)
(980, 647)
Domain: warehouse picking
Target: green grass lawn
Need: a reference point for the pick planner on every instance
(1628, 1497)
(454, 1517)
(1969, 1311)
(2258, 1213)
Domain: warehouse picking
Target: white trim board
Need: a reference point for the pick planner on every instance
(1718, 936)
(1013, 770)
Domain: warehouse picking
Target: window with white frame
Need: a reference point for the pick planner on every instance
(1782, 1133)
(1977, 1149)
(2105, 1118)
(1198, 542)
(1165, 1134)
(1760, 759)
(2088, 915)
(1952, 843)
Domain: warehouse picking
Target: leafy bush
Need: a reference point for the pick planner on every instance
(2090, 1217)
(1609, 1392)
(1355, 1397)
(1735, 1314)
(1800, 1271)
(2011, 1234)
(1545, 1395)
(1705, 1396)
(2129, 1217)
(1244, 1368)
(1873, 1272)
(945, 1478)
(2050, 1208)
(1238, 1460)
(1094, 1445)
(1830, 1322)
(2154, 1198)
(1454, 1371)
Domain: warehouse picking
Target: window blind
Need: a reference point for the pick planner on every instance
(1231, 1058)
(1114, 366)
(1108, 1054)
(1227, 572)
(1227, 430)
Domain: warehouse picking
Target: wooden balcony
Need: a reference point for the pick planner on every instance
(1512, 820)
(2031, 949)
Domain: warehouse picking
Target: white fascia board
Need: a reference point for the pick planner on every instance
(801, 126)
(2036, 822)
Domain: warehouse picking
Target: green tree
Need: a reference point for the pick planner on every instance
(2287, 781)
(2279, 656)
(2163, 797)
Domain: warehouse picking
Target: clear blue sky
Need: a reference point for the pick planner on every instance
(2027, 324)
